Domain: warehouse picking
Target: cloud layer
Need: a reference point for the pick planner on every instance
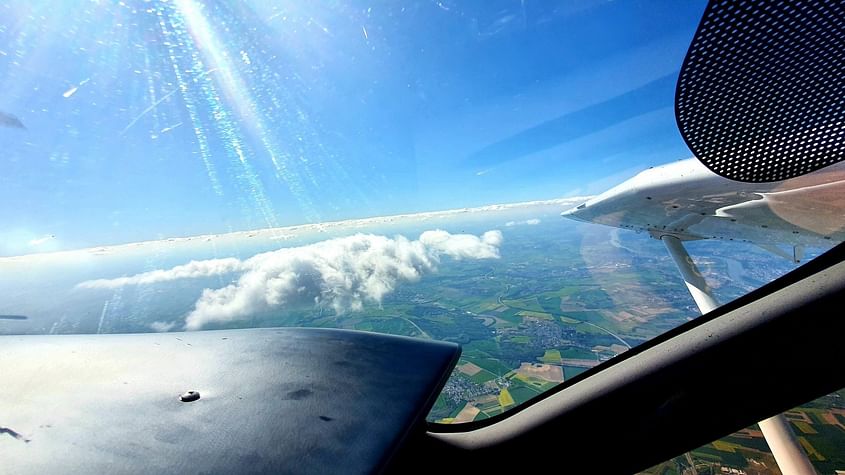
(529, 222)
(341, 274)
(191, 270)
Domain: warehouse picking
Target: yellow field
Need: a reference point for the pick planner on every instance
(725, 446)
(505, 398)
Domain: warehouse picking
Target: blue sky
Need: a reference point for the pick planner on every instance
(154, 119)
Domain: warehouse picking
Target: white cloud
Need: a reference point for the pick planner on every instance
(342, 273)
(162, 327)
(190, 270)
(529, 222)
(463, 246)
(41, 240)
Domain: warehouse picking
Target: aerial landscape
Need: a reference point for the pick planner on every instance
(533, 299)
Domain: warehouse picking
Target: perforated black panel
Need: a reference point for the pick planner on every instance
(760, 95)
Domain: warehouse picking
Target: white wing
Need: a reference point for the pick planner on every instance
(686, 200)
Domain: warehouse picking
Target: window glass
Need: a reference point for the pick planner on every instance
(396, 167)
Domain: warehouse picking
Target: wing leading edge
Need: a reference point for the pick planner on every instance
(686, 200)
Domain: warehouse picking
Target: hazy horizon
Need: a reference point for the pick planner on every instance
(362, 221)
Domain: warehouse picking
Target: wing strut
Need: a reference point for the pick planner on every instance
(698, 288)
(788, 454)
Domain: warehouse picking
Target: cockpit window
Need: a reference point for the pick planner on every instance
(396, 167)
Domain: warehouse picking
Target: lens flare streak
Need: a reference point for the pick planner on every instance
(191, 107)
(238, 93)
(195, 36)
(151, 89)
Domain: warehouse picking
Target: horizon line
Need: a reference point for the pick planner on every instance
(107, 248)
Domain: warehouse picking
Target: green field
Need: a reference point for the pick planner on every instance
(551, 357)
(804, 427)
(529, 304)
(574, 352)
(537, 384)
(531, 313)
(550, 304)
(521, 394)
(482, 377)
(491, 365)
(570, 372)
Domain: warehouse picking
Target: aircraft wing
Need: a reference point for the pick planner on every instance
(686, 200)
(271, 401)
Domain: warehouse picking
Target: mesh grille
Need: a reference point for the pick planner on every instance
(760, 95)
